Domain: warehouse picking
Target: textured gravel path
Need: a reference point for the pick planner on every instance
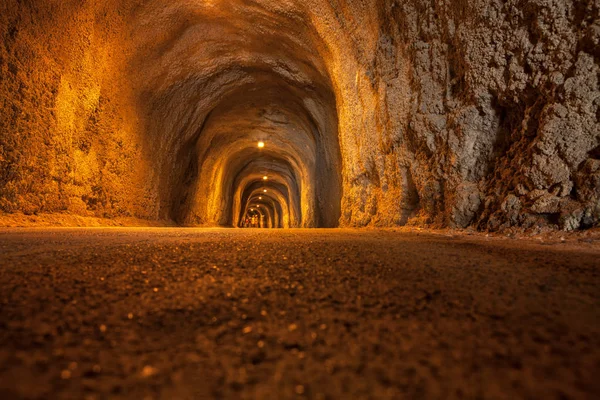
(339, 314)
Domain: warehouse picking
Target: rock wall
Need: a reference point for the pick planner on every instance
(67, 142)
(443, 113)
(486, 114)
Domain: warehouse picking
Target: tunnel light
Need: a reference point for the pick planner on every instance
(260, 198)
(265, 178)
(265, 191)
(261, 145)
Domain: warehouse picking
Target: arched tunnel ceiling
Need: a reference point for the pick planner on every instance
(274, 192)
(251, 176)
(227, 77)
(269, 206)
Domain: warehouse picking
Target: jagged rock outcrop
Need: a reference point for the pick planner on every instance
(381, 112)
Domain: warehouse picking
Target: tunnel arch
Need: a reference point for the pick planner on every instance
(275, 199)
(272, 207)
(278, 194)
(282, 173)
(291, 132)
(281, 94)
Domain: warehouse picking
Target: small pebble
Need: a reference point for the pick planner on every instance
(148, 371)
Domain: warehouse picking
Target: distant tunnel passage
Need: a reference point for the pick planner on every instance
(217, 159)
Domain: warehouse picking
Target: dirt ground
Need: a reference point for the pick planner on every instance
(151, 313)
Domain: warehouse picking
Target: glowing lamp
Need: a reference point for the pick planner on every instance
(265, 190)
(265, 178)
(261, 145)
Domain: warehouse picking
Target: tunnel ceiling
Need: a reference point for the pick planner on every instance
(249, 74)
(373, 112)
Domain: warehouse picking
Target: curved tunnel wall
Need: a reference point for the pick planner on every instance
(276, 91)
(250, 183)
(380, 112)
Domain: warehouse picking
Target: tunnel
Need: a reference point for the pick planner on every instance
(369, 116)
(242, 87)
(285, 199)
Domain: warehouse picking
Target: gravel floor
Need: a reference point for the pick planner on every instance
(337, 314)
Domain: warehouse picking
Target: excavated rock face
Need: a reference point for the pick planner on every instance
(379, 112)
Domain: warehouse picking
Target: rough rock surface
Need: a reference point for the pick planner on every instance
(379, 112)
